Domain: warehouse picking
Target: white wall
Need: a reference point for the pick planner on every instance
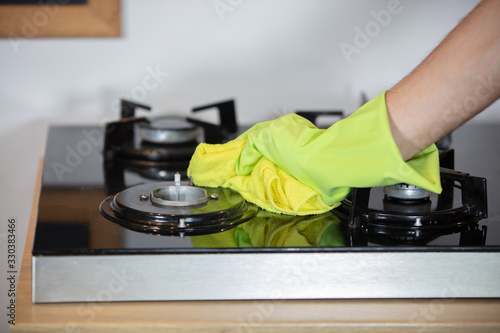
(272, 56)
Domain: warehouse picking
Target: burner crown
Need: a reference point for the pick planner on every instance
(406, 192)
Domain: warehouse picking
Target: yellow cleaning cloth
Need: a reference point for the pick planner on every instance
(267, 186)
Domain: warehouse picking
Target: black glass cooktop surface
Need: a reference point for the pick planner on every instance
(76, 180)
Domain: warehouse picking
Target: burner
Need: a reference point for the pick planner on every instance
(406, 192)
(177, 210)
(167, 129)
(416, 220)
(163, 143)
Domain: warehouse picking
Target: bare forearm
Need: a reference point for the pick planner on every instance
(459, 79)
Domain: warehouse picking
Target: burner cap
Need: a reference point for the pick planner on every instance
(167, 129)
(406, 192)
(168, 209)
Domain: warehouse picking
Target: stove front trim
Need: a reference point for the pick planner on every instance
(253, 276)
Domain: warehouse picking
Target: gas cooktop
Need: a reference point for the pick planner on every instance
(119, 221)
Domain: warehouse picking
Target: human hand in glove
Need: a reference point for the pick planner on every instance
(289, 166)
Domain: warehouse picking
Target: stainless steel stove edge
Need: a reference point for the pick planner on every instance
(245, 276)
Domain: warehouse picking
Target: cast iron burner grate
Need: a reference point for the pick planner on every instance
(163, 143)
(416, 222)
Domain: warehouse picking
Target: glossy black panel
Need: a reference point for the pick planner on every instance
(76, 180)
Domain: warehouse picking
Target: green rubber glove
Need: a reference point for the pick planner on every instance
(358, 151)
